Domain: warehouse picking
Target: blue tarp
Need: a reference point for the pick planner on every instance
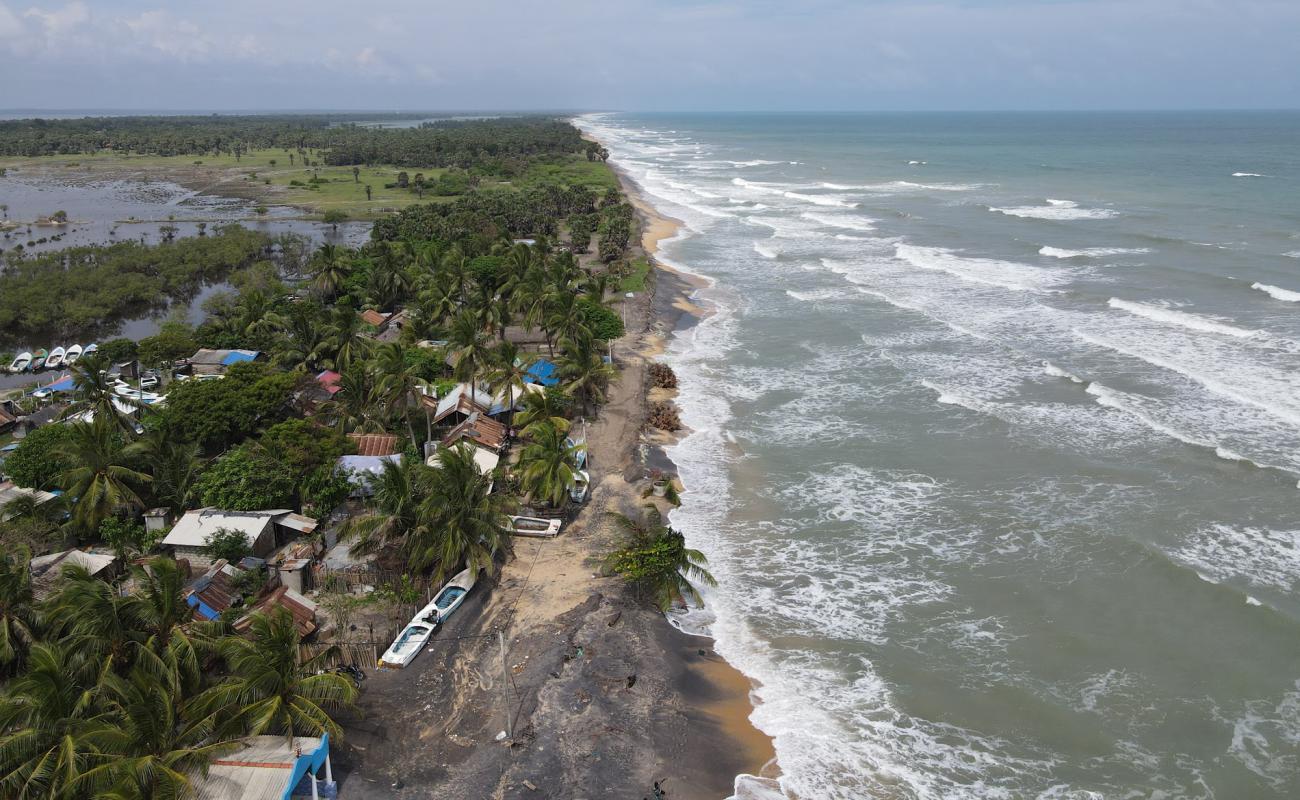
(61, 385)
(543, 372)
(239, 356)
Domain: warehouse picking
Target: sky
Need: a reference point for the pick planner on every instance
(673, 55)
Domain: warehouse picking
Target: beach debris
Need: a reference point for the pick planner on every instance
(663, 415)
(662, 376)
(501, 737)
(631, 680)
(614, 619)
(532, 787)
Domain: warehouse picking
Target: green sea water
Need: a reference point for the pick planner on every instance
(996, 442)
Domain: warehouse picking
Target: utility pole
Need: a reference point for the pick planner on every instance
(505, 685)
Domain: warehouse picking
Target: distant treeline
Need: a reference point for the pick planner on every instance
(80, 289)
(494, 146)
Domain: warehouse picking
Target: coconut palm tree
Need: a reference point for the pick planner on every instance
(155, 747)
(460, 521)
(471, 353)
(332, 270)
(51, 729)
(174, 466)
(17, 609)
(94, 392)
(396, 494)
(302, 339)
(656, 561)
(103, 478)
(547, 464)
(269, 690)
(345, 339)
(547, 406)
(355, 405)
(508, 377)
(89, 615)
(399, 384)
(584, 371)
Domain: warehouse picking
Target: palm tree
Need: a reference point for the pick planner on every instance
(346, 340)
(53, 732)
(545, 406)
(547, 464)
(354, 405)
(174, 465)
(460, 521)
(269, 690)
(471, 353)
(396, 494)
(89, 615)
(656, 561)
(302, 342)
(399, 384)
(17, 611)
(509, 375)
(331, 270)
(93, 392)
(103, 478)
(585, 372)
(155, 746)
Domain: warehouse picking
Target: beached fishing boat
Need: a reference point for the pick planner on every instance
(21, 362)
(38, 360)
(581, 485)
(90, 348)
(72, 355)
(533, 526)
(426, 621)
(55, 358)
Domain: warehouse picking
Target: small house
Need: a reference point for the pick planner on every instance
(217, 362)
(48, 569)
(376, 444)
(269, 768)
(479, 429)
(263, 530)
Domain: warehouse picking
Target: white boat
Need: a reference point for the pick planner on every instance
(90, 348)
(72, 355)
(21, 362)
(581, 485)
(533, 526)
(579, 457)
(126, 390)
(426, 621)
(55, 358)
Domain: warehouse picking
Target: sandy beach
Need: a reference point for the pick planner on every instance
(605, 697)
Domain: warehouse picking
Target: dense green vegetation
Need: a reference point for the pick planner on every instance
(504, 146)
(84, 289)
(124, 695)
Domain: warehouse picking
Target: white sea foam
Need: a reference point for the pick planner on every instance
(1169, 316)
(1277, 293)
(1060, 210)
(1292, 254)
(854, 223)
(890, 187)
(1256, 556)
(1248, 175)
(782, 191)
(1056, 372)
(987, 271)
(1091, 252)
(766, 250)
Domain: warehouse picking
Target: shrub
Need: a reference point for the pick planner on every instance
(227, 544)
(35, 464)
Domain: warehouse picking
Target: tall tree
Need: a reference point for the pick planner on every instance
(460, 521)
(656, 561)
(103, 477)
(547, 464)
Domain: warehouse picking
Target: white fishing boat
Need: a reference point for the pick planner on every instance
(126, 390)
(72, 355)
(55, 358)
(426, 621)
(90, 348)
(38, 361)
(581, 485)
(533, 526)
(21, 362)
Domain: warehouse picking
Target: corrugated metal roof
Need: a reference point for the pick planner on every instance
(375, 444)
(479, 429)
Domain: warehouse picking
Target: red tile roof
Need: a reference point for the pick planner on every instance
(329, 381)
(376, 444)
(373, 317)
(480, 429)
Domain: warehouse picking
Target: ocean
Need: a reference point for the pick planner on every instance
(996, 442)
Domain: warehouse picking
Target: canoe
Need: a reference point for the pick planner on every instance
(38, 360)
(21, 362)
(427, 620)
(72, 355)
(581, 484)
(533, 526)
(55, 358)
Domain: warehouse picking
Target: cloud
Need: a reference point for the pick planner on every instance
(655, 53)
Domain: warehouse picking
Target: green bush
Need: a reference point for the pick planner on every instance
(35, 465)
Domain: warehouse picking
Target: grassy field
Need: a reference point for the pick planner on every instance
(635, 280)
(265, 176)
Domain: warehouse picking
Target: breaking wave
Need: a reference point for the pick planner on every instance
(1058, 210)
(1192, 322)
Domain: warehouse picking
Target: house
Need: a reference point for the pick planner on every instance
(373, 318)
(263, 530)
(214, 591)
(544, 373)
(301, 609)
(8, 419)
(48, 569)
(269, 768)
(391, 331)
(458, 404)
(486, 460)
(318, 392)
(39, 419)
(10, 491)
(216, 362)
(376, 444)
(479, 429)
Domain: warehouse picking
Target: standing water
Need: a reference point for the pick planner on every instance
(996, 442)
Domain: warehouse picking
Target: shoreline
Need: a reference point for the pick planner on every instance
(736, 709)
